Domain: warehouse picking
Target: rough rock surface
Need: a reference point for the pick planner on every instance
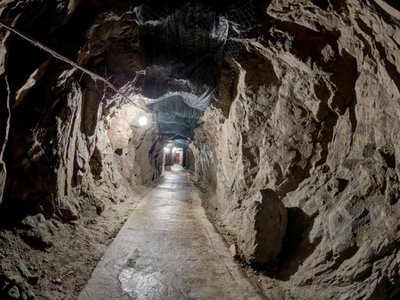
(79, 141)
(314, 117)
(70, 147)
(262, 228)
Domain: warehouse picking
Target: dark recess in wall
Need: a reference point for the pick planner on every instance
(322, 4)
(393, 3)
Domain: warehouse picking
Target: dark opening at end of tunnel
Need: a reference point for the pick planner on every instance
(177, 152)
(296, 159)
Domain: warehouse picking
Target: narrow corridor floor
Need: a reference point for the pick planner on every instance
(168, 250)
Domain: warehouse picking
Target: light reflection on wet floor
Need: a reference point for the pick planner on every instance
(168, 250)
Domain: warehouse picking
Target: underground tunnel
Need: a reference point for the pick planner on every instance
(198, 149)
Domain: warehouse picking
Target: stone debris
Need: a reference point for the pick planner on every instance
(312, 116)
(262, 228)
(13, 293)
(299, 150)
(233, 249)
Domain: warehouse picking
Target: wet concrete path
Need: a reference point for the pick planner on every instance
(168, 250)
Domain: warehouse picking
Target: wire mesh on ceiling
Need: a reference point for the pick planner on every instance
(180, 143)
(183, 45)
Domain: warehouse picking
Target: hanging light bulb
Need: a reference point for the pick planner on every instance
(166, 149)
(143, 121)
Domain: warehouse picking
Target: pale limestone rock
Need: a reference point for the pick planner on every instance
(314, 117)
(233, 250)
(262, 228)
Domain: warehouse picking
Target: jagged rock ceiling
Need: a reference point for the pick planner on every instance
(306, 114)
(183, 44)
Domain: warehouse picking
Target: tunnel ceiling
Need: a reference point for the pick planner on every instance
(183, 44)
(312, 120)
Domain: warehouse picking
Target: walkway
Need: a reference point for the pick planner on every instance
(168, 250)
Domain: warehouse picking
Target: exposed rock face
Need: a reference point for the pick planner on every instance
(262, 227)
(71, 140)
(74, 146)
(314, 118)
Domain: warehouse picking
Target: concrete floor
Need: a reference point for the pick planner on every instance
(168, 250)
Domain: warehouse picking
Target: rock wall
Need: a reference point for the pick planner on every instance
(311, 123)
(72, 141)
(314, 119)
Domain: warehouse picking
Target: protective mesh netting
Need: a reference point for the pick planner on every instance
(180, 143)
(183, 44)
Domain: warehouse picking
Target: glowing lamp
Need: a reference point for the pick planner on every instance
(142, 121)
